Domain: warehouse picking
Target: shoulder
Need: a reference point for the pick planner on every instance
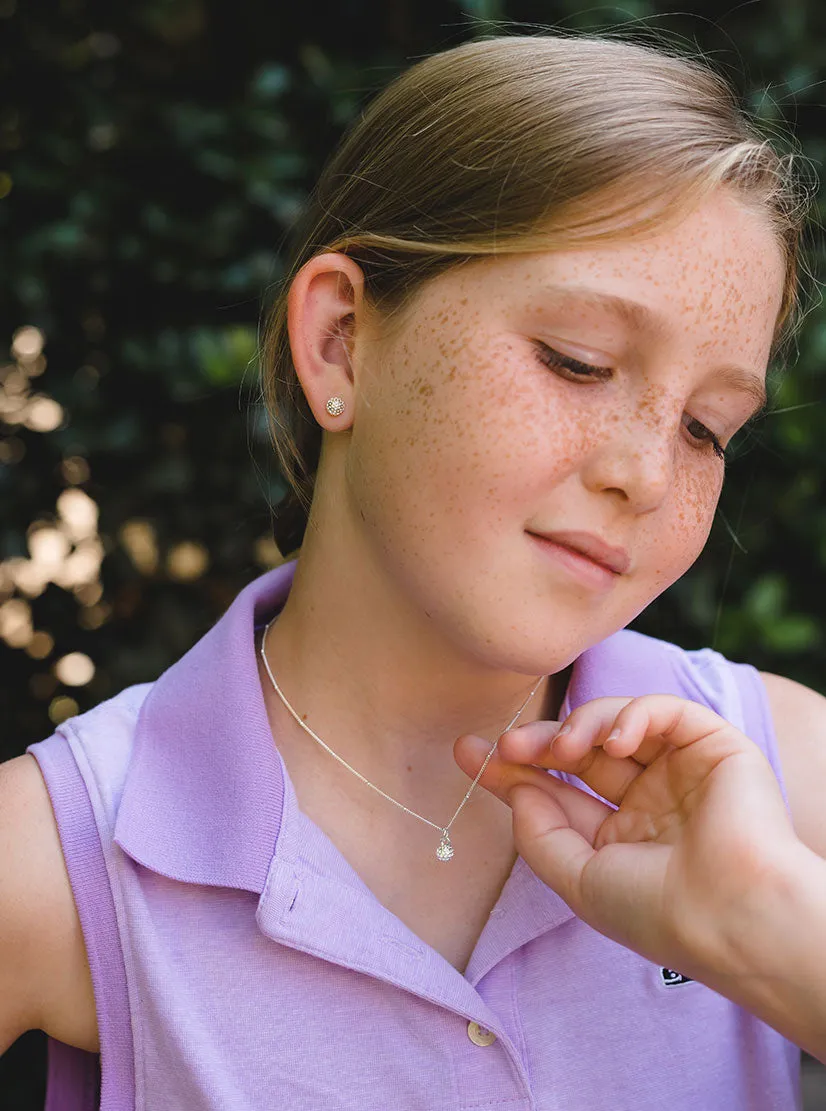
(99, 743)
(114, 718)
(52, 798)
(44, 968)
(799, 718)
(630, 662)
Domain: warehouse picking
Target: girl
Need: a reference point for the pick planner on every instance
(534, 299)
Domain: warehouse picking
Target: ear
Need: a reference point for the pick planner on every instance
(324, 306)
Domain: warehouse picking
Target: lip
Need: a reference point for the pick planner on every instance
(588, 554)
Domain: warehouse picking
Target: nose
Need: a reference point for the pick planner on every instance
(635, 462)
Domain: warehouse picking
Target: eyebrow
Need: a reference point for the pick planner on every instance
(643, 319)
(749, 384)
(633, 313)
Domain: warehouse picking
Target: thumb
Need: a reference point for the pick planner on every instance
(543, 836)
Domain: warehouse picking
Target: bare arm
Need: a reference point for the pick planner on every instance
(44, 973)
(776, 957)
(799, 715)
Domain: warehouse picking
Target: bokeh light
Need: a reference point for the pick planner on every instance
(266, 552)
(75, 470)
(15, 382)
(61, 708)
(48, 546)
(140, 541)
(79, 514)
(40, 646)
(27, 342)
(43, 414)
(66, 550)
(75, 670)
(187, 561)
(92, 617)
(89, 594)
(16, 622)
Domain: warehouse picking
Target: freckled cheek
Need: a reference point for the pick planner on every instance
(476, 428)
(537, 426)
(453, 396)
(693, 505)
(418, 451)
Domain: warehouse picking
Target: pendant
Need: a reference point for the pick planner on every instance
(445, 849)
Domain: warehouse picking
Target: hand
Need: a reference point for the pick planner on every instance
(699, 832)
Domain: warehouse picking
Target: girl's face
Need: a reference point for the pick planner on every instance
(588, 391)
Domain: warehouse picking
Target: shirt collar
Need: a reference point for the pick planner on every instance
(204, 791)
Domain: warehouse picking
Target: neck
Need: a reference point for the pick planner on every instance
(375, 680)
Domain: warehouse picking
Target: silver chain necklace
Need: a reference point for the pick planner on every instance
(445, 849)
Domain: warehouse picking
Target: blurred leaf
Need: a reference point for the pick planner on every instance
(270, 81)
(765, 599)
(226, 356)
(792, 633)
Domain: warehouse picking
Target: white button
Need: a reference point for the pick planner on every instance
(479, 1035)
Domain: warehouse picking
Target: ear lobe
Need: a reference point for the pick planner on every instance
(324, 307)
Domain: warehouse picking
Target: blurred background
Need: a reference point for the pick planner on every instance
(154, 155)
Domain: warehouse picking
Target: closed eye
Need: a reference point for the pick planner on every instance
(580, 371)
(555, 360)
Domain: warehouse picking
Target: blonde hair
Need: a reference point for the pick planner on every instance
(515, 144)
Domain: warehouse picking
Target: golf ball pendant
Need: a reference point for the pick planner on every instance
(445, 849)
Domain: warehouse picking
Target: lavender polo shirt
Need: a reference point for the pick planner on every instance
(239, 962)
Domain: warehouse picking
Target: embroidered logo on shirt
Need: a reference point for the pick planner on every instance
(672, 978)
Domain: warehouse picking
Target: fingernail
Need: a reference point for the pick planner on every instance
(617, 733)
(565, 729)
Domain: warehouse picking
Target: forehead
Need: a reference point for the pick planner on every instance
(714, 276)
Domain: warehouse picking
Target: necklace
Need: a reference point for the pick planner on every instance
(445, 849)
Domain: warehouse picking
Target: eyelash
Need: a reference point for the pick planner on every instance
(553, 359)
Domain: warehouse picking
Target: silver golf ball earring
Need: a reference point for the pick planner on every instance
(335, 406)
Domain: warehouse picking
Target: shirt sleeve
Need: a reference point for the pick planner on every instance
(78, 1080)
(737, 693)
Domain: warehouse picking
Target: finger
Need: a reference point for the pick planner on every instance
(584, 812)
(604, 773)
(539, 742)
(550, 846)
(677, 722)
(499, 777)
(592, 724)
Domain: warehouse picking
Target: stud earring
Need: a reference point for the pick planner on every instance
(335, 406)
